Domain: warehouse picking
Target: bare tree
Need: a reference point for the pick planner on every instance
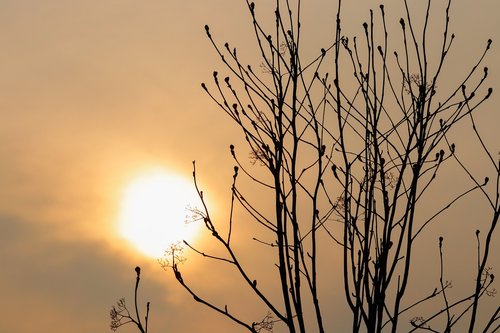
(354, 162)
(120, 314)
(348, 161)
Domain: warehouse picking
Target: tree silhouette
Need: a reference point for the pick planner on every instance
(348, 148)
(347, 161)
(120, 315)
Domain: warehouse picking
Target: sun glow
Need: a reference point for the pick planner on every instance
(155, 212)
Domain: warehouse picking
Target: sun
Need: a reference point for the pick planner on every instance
(154, 212)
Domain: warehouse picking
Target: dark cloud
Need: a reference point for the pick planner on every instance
(77, 279)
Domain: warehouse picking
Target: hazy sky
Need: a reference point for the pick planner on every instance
(92, 94)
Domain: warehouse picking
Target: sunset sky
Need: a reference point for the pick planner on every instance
(95, 94)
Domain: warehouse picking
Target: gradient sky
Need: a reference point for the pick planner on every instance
(92, 93)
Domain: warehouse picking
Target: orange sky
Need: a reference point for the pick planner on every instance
(91, 93)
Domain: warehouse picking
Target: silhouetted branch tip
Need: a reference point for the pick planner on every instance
(490, 91)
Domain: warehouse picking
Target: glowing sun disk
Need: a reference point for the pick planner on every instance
(154, 210)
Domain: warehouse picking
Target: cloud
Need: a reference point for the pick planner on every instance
(52, 281)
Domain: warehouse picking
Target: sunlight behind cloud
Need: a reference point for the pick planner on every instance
(155, 212)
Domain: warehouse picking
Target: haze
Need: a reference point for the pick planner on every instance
(91, 93)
